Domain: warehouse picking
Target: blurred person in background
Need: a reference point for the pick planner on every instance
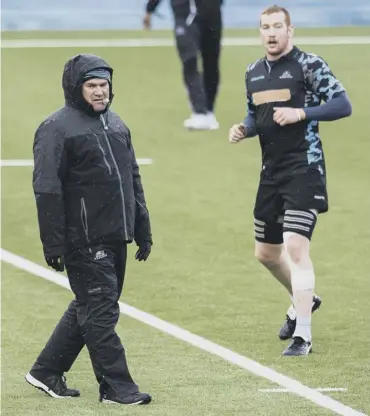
(285, 90)
(198, 31)
(90, 204)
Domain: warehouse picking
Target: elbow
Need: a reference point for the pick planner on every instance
(347, 107)
(348, 110)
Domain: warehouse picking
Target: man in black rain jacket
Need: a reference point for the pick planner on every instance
(90, 204)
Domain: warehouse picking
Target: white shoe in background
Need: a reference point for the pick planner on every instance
(199, 121)
(213, 121)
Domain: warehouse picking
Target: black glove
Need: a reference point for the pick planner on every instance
(56, 262)
(143, 251)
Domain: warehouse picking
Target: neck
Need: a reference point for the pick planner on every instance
(285, 52)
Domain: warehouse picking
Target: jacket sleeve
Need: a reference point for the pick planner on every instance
(151, 5)
(49, 167)
(142, 219)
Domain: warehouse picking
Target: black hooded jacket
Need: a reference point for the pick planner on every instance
(86, 179)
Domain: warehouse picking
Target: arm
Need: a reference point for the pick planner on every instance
(250, 119)
(150, 8)
(152, 5)
(321, 85)
(49, 167)
(322, 82)
(338, 107)
(142, 220)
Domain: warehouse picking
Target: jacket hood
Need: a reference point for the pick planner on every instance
(73, 74)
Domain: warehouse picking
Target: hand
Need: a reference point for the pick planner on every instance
(143, 251)
(56, 262)
(147, 21)
(287, 115)
(237, 133)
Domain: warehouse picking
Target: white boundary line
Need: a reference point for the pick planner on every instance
(168, 42)
(195, 340)
(321, 389)
(29, 162)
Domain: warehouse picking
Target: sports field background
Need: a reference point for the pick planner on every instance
(202, 274)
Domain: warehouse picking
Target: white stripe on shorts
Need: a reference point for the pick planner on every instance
(300, 213)
(296, 227)
(258, 222)
(296, 219)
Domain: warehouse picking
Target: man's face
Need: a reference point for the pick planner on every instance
(275, 33)
(94, 91)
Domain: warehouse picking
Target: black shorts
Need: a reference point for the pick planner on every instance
(301, 192)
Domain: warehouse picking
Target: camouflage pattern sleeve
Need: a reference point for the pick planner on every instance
(320, 79)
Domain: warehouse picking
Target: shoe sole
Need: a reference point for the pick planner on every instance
(140, 402)
(315, 307)
(40, 386)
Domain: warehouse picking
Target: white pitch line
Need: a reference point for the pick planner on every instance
(169, 42)
(321, 389)
(182, 334)
(29, 162)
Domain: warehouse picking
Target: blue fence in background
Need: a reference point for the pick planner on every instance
(127, 14)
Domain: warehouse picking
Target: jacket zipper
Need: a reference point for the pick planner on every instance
(104, 157)
(105, 128)
(85, 225)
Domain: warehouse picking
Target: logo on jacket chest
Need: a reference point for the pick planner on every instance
(286, 75)
(260, 77)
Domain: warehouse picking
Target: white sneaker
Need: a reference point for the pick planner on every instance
(213, 121)
(198, 122)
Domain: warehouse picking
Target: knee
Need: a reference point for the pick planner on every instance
(99, 307)
(70, 315)
(267, 255)
(190, 66)
(297, 248)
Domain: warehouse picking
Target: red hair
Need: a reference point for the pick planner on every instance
(278, 9)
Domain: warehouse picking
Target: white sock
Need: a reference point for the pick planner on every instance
(303, 282)
(303, 328)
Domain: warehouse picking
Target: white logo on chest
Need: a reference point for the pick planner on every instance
(286, 75)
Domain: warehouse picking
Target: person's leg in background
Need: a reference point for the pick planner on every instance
(187, 42)
(210, 47)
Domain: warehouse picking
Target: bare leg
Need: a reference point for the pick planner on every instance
(275, 259)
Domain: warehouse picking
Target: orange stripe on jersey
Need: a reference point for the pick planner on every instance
(270, 96)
